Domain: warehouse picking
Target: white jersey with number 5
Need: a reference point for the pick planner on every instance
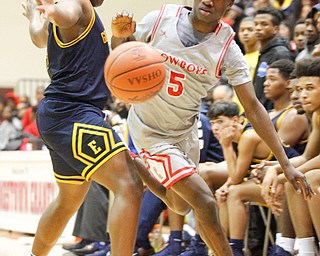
(191, 71)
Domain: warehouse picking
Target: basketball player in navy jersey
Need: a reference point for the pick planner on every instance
(83, 147)
(196, 46)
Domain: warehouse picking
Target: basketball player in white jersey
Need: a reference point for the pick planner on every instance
(196, 46)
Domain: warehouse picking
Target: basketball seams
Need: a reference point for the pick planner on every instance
(141, 90)
(134, 69)
(135, 72)
(119, 56)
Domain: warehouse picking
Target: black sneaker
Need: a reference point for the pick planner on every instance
(237, 251)
(90, 248)
(79, 245)
(106, 251)
(277, 250)
(174, 248)
(196, 249)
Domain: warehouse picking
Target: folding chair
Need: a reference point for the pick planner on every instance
(268, 236)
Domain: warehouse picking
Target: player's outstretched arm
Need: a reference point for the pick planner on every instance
(65, 13)
(38, 26)
(261, 122)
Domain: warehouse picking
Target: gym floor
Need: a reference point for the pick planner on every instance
(16, 244)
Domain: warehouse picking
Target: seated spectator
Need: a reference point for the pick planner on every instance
(39, 95)
(31, 133)
(250, 149)
(299, 37)
(32, 128)
(10, 130)
(316, 18)
(11, 100)
(2, 105)
(312, 35)
(267, 21)
(304, 213)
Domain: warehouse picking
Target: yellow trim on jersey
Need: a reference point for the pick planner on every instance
(256, 160)
(287, 109)
(284, 6)
(268, 158)
(79, 38)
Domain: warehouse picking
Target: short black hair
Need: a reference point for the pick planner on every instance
(308, 67)
(299, 21)
(223, 108)
(293, 75)
(285, 67)
(248, 18)
(277, 16)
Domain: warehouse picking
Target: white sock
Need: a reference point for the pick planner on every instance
(287, 244)
(306, 246)
(278, 237)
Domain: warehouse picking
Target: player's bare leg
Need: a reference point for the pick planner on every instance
(57, 215)
(119, 175)
(169, 197)
(299, 213)
(314, 178)
(237, 211)
(195, 191)
(192, 191)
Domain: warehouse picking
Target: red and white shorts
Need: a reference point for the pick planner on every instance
(169, 163)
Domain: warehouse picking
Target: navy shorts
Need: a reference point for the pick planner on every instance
(78, 138)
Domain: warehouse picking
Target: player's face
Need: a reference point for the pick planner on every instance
(311, 32)
(247, 34)
(264, 28)
(220, 123)
(309, 88)
(295, 96)
(206, 13)
(275, 85)
(299, 37)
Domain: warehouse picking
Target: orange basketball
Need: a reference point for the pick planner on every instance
(134, 72)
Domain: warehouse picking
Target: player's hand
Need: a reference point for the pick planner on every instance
(276, 204)
(298, 181)
(226, 136)
(258, 171)
(222, 193)
(123, 25)
(269, 185)
(29, 7)
(47, 7)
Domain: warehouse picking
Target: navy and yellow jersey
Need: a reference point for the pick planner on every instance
(70, 118)
(278, 118)
(76, 68)
(290, 152)
(78, 138)
(301, 145)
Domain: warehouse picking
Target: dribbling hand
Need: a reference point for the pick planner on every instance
(123, 25)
